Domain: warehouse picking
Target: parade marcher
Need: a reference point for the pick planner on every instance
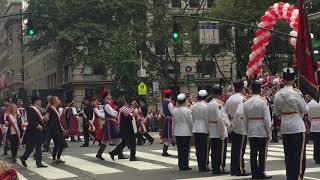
(314, 118)
(290, 105)
(98, 121)
(111, 131)
(182, 130)
(67, 116)
(167, 108)
(127, 119)
(258, 122)
(14, 130)
(56, 130)
(74, 126)
(200, 130)
(3, 115)
(87, 121)
(23, 114)
(34, 135)
(238, 130)
(218, 123)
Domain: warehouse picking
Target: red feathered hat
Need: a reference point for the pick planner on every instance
(104, 92)
(167, 91)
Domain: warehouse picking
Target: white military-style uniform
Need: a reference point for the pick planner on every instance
(257, 117)
(218, 123)
(290, 105)
(182, 130)
(314, 118)
(258, 122)
(235, 115)
(199, 117)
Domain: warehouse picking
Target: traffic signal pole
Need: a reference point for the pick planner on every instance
(231, 22)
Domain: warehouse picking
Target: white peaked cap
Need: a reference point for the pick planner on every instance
(181, 97)
(202, 93)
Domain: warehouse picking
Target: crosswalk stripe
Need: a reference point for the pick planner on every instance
(309, 147)
(50, 172)
(281, 154)
(281, 150)
(140, 165)
(159, 158)
(88, 166)
(21, 177)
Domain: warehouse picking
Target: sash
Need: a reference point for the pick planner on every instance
(134, 124)
(15, 126)
(39, 115)
(58, 117)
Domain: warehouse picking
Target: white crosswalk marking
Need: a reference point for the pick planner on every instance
(159, 158)
(140, 165)
(308, 152)
(21, 177)
(50, 172)
(88, 166)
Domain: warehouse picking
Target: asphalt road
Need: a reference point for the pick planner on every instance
(82, 164)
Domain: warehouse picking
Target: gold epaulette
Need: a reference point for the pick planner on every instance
(263, 98)
(298, 90)
(220, 102)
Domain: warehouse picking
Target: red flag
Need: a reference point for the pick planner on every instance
(304, 57)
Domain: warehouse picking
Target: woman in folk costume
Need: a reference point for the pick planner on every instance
(98, 122)
(111, 131)
(56, 130)
(14, 133)
(141, 121)
(167, 108)
(74, 128)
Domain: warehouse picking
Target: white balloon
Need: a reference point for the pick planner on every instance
(286, 5)
(255, 40)
(293, 18)
(274, 22)
(275, 8)
(291, 25)
(259, 63)
(284, 15)
(295, 12)
(294, 33)
(268, 34)
(251, 56)
(311, 35)
(260, 25)
(293, 41)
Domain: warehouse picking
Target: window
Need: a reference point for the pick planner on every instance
(194, 3)
(209, 3)
(207, 69)
(176, 3)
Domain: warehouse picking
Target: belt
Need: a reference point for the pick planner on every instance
(213, 122)
(255, 118)
(288, 113)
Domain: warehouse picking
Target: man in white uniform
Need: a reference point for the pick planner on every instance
(258, 122)
(290, 105)
(314, 118)
(200, 130)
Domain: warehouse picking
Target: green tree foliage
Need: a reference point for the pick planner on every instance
(92, 33)
(250, 12)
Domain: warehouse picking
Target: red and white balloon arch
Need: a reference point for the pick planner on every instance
(279, 11)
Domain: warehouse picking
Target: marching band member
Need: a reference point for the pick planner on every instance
(218, 123)
(182, 130)
(14, 130)
(200, 130)
(127, 131)
(258, 122)
(34, 134)
(290, 105)
(167, 108)
(314, 118)
(238, 130)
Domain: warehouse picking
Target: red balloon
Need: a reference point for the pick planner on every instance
(291, 8)
(295, 25)
(259, 32)
(273, 13)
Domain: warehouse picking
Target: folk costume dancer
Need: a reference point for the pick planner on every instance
(291, 106)
(314, 118)
(23, 113)
(167, 107)
(74, 127)
(200, 130)
(258, 123)
(3, 116)
(98, 121)
(111, 132)
(34, 134)
(218, 123)
(87, 121)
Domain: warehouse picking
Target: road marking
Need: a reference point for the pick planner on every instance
(309, 147)
(140, 165)
(88, 166)
(306, 177)
(308, 152)
(159, 158)
(21, 177)
(281, 154)
(50, 172)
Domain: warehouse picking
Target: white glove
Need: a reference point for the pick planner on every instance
(269, 138)
(40, 127)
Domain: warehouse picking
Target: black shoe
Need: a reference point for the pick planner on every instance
(73, 140)
(203, 170)
(41, 166)
(244, 174)
(133, 159)
(122, 157)
(85, 145)
(99, 157)
(23, 162)
(111, 155)
(14, 160)
(111, 144)
(79, 139)
(166, 154)
(185, 169)
(59, 161)
(151, 142)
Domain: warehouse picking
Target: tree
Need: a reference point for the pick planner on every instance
(92, 33)
(240, 42)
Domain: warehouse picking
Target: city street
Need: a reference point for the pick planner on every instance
(82, 164)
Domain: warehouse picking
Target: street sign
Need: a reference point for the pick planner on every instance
(142, 73)
(142, 89)
(209, 32)
(188, 69)
(155, 86)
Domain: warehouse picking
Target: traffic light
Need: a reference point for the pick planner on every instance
(30, 31)
(175, 31)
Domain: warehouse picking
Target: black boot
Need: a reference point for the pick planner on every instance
(149, 138)
(79, 139)
(72, 139)
(121, 156)
(165, 151)
(100, 151)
